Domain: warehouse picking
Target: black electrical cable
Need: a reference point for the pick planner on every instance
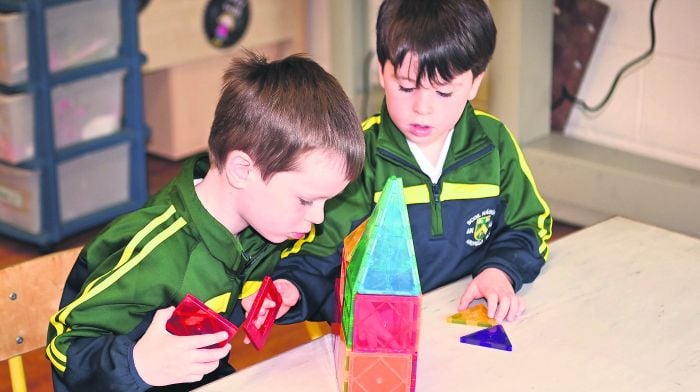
(567, 96)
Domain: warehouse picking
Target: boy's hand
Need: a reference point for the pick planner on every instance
(163, 359)
(495, 286)
(289, 294)
(290, 297)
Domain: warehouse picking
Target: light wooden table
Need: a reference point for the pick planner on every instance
(616, 308)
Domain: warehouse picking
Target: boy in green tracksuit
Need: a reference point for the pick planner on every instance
(472, 202)
(285, 138)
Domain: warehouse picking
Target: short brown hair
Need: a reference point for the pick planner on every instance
(276, 111)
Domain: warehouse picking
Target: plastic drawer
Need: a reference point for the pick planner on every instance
(82, 110)
(16, 128)
(93, 181)
(88, 108)
(77, 33)
(13, 48)
(86, 184)
(19, 198)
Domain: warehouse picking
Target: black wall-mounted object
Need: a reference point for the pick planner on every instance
(225, 21)
(577, 26)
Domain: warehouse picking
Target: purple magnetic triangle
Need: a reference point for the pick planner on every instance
(494, 337)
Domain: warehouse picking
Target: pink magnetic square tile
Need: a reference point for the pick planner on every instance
(386, 323)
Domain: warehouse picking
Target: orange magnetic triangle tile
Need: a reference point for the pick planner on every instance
(351, 240)
(475, 315)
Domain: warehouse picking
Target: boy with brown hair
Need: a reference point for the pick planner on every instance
(285, 138)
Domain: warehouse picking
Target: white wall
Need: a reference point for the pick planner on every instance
(655, 109)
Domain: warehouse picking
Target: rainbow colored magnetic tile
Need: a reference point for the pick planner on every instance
(494, 337)
(383, 260)
(475, 315)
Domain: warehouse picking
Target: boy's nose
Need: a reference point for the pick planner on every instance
(423, 103)
(315, 214)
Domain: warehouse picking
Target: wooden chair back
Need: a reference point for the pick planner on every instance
(29, 295)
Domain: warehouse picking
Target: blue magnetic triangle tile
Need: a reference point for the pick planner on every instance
(388, 261)
(494, 337)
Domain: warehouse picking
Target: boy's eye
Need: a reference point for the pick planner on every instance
(444, 95)
(406, 89)
(305, 203)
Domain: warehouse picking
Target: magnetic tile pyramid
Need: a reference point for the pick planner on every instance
(376, 342)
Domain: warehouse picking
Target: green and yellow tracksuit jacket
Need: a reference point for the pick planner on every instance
(485, 211)
(143, 261)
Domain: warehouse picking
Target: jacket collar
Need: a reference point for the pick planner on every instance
(468, 138)
(218, 240)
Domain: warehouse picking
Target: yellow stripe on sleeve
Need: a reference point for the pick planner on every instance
(125, 264)
(543, 232)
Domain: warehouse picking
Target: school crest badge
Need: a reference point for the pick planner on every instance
(479, 227)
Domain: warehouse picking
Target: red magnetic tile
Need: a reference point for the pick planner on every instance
(258, 336)
(193, 317)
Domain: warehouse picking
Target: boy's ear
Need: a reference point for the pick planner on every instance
(475, 85)
(238, 168)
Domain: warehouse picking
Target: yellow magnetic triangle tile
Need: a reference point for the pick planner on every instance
(475, 315)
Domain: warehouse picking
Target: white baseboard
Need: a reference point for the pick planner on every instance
(585, 183)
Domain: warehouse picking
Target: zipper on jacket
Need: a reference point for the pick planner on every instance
(436, 227)
(435, 207)
(436, 221)
(238, 277)
(248, 260)
(252, 261)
